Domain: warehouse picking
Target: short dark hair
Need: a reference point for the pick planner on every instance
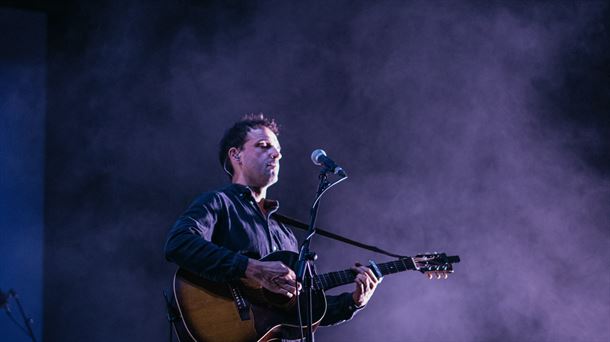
(236, 135)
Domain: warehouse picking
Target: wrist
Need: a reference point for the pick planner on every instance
(251, 268)
(357, 304)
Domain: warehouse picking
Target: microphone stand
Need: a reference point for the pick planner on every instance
(305, 268)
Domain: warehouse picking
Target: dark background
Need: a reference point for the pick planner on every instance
(476, 128)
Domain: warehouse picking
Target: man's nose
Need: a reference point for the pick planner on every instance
(275, 154)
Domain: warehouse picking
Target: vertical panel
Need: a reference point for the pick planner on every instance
(22, 108)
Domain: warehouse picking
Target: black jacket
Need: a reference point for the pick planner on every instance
(221, 229)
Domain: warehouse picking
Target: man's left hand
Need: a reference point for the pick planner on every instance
(366, 282)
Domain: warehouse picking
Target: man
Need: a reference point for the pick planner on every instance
(223, 233)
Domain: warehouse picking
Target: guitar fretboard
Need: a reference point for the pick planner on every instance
(333, 279)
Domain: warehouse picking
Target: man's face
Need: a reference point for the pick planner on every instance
(260, 158)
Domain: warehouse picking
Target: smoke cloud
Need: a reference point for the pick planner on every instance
(440, 113)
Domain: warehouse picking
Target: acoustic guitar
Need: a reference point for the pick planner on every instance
(242, 311)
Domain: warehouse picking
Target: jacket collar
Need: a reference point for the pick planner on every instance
(244, 191)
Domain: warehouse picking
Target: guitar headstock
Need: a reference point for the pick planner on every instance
(435, 265)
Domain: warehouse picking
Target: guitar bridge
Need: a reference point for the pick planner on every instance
(242, 304)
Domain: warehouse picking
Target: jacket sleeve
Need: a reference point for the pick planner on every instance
(339, 309)
(189, 242)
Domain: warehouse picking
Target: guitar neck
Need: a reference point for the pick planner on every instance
(330, 280)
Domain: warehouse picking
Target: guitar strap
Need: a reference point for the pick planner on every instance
(303, 226)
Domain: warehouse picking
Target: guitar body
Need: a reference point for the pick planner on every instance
(209, 311)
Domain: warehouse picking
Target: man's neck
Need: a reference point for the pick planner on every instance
(258, 193)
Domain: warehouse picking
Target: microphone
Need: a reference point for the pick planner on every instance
(319, 157)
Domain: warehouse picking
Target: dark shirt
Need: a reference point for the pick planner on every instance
(221, 229)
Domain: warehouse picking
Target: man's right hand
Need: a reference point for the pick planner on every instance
(274, 276)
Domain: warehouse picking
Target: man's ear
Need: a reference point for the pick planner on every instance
(234, 154)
